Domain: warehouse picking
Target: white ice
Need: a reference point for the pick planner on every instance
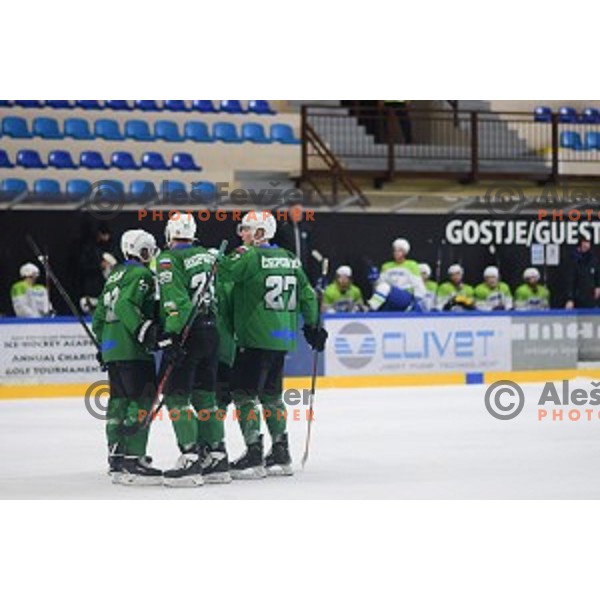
(406, 442)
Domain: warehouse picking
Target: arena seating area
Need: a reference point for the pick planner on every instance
(60, 148)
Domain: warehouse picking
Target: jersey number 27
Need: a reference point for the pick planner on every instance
(278, 286)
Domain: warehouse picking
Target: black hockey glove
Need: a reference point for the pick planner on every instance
(152, 337)
(316, 336)
(174, 353)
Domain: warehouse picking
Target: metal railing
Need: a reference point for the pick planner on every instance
(398, 140)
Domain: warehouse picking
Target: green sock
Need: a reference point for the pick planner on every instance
(275, 413)
(211, 425)
(183, 417)
(135, 445)
(248, 415)
(114, 419)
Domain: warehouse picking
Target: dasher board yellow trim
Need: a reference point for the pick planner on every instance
(57, 390)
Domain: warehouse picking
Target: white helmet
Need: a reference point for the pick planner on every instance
(401, 244)
(491, 272)
(344, 271)
(181, 227)
(29, 270)
(455, 269)
(531, 273)
(138, 243)
(425, 269)
(256, 220)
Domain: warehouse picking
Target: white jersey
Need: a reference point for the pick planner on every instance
(30, 300)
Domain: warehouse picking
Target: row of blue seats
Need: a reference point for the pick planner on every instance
(109, 129)
(61, 159)
(567, 114)
(232, 107)
(572, 140)
(76, 189)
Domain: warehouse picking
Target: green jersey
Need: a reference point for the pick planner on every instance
(487, 298)
(182, 274)
(30, 300)
(454, 297)
(127, 301)
(338, 300)
(529, 298)
(270, 291)
(431, 288)
(404, 275)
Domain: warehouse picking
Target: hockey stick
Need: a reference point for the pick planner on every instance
(159, 402)
(313, 384)
(61, 290)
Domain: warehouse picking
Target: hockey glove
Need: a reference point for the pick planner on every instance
(174, 352)
(316, 336)
(152, 337)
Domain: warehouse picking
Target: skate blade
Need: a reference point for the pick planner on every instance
(224, 477)
(182, 482)
(250, 473)
(137, 480)
(280, 470)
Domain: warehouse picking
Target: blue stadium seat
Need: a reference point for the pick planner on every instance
(170, 188)
(28, 103)
(78, 188)
(184, 162)
(59, 104)
(118, 105)
(123, 161)
(29, 159)
(254, 132)
(5, 160)
(204, 191)
(78, 129)
(92, 160)
(61, 159)
(6, 103)
(542, 114)
(88, 104)
(283, 133)
(15, 127)
(233, 107)
(205, 106)
(260, 107)
(567, 114)
(148, 105)
(226, 132)
(11, 188)
(108, 189)
(138, 130)
(46, 187)
(168, 131)
(47, 128)
(592, 140)
(591, 115)
(176, 105)
(154, 161)
(197, 132)
(107, 129)
(571, 139)
(142, 191)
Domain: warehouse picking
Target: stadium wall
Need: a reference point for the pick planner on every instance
(42, 358)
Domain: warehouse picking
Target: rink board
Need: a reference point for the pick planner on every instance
(41, 358)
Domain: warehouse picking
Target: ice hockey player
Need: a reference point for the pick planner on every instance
(399, 287)
(124, 327)
(431, 288)
(455, 294)
(532, 295)
(270, 290)
(492, 294)
(29, 298)
(342, 295)
(190, 392)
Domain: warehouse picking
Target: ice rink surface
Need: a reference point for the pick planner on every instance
(385, 443)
